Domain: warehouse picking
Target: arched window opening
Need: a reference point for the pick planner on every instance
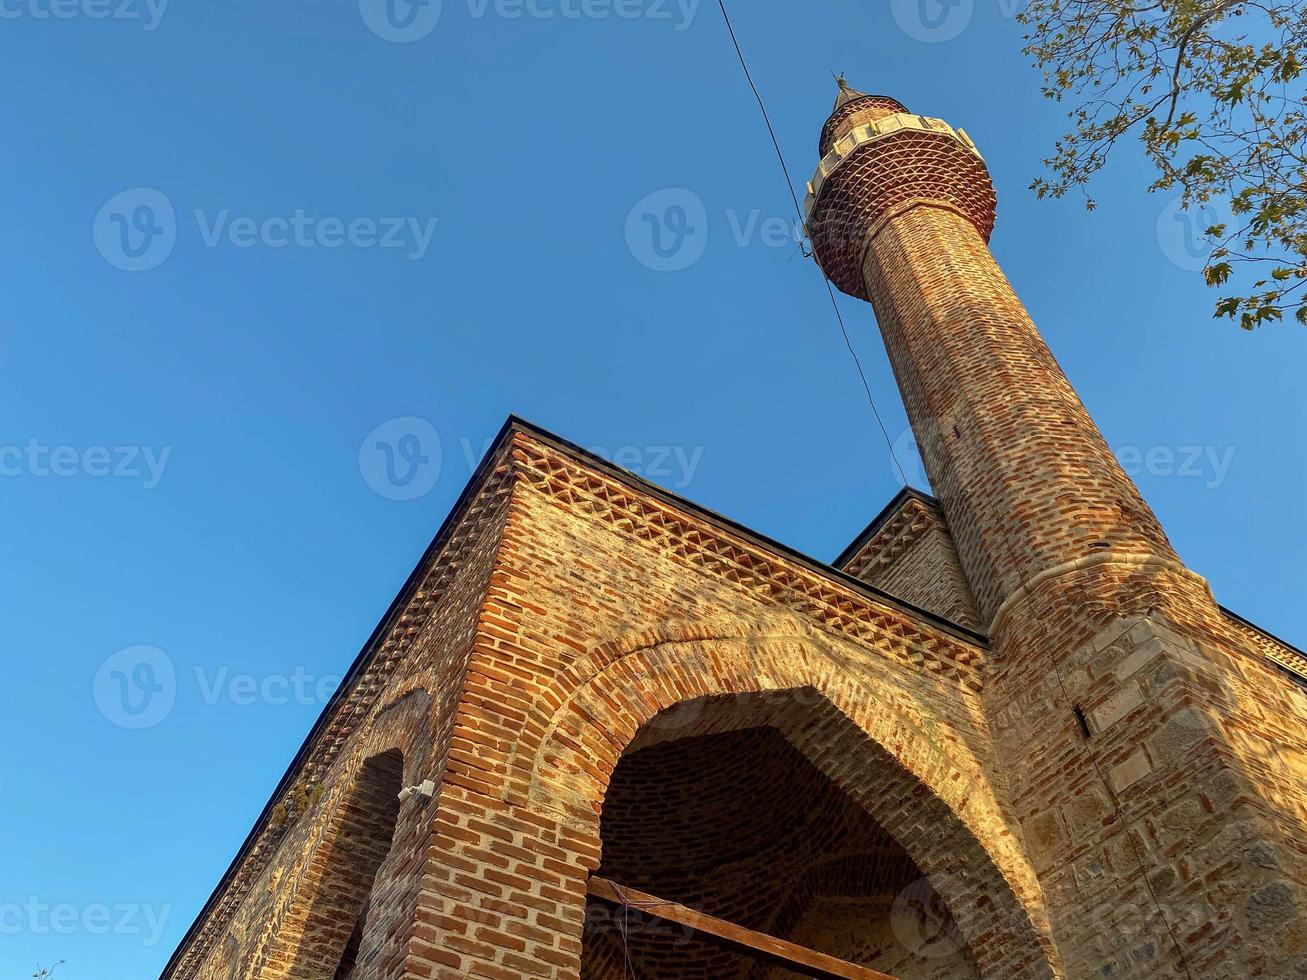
(368, 829)
(740, 825)
(333, 945)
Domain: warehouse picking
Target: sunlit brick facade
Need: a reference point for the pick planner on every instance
(1010, 735)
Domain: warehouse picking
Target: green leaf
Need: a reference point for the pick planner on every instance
(1227, 307)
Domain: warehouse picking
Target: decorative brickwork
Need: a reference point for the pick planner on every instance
(884, 168)
(854, 111)
(380, 708)
(885, 704)
(1022, 742)
(909, 553)
(1023, 475)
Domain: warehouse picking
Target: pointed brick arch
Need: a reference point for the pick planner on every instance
(317, 936)
(872, 740)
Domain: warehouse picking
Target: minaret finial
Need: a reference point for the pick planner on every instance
(847, 92)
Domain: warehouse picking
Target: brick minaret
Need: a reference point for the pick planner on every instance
(1093, 619)
(900, 214)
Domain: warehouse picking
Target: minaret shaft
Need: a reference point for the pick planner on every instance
(900, 214)
(1025, 478)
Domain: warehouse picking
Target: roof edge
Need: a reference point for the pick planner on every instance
(887, 512)
(514, 424)
(756, 538)
(356, 669)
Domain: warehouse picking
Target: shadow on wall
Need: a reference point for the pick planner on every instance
(361, 836)
(738, 823)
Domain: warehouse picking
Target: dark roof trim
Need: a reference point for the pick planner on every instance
(355, 671)
(512, 425)
(1266, 633)
(880, 520)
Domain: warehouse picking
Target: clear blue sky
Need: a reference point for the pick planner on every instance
(247, 539)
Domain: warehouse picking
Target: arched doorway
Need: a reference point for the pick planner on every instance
(713, 808)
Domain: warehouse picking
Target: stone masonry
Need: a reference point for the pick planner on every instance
(1007, 734)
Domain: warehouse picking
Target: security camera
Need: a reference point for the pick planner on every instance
(423, 791)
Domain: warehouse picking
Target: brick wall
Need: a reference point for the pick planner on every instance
(593, 630)
(243, 933)
(911, 555)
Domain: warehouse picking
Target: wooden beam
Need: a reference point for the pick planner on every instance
(757, 945)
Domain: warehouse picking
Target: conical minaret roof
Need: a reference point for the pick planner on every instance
(847, 94)
(853, 106)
